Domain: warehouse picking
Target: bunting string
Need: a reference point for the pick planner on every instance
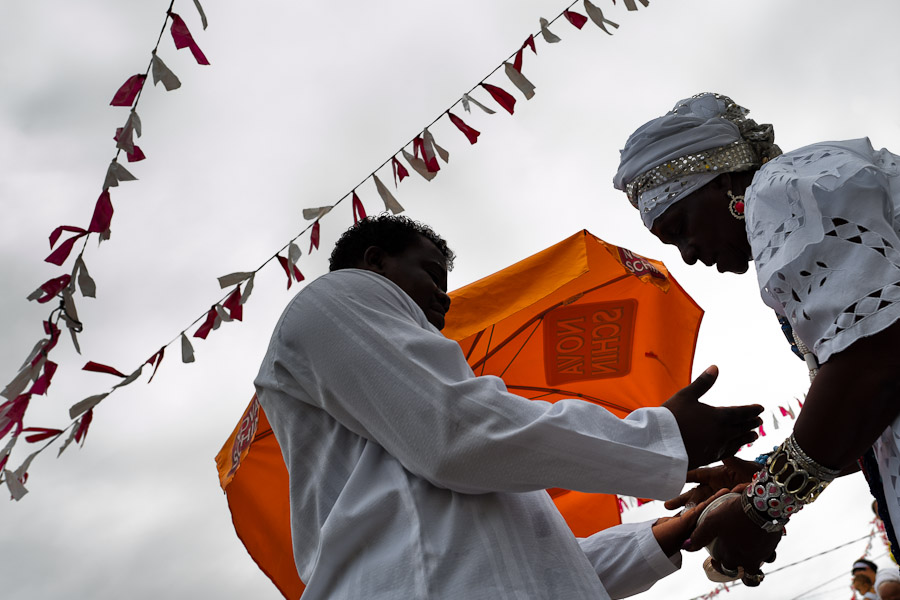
(35, 375)
(725, 587)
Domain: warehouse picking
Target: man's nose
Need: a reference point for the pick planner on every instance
(444, 299)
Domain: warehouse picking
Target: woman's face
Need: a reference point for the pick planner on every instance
(702, 228)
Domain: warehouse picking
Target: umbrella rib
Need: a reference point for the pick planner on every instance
(539, 316)
(474, 343)
(487, 351)
(562, 392)
(537, 324)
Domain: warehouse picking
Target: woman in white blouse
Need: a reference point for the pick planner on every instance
(821, 226)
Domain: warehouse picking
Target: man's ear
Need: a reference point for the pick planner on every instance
(373, 259)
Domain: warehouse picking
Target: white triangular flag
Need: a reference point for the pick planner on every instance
(17, 385)
(85, 282)
(390, 203)
(467, 98)
(597, 17)
(630, 5)
(248, 288)
(130, 379)
(116, 173)
(519, 80)
(202, 14)
(294, 253)
(311, 214)
(549, 36)
(162, 73)
(70, 316)
(68, 441)
(418, 165)
(223, 314)
(79, 408)
(16, 489)
(187, 351)
(26, 464)
(134, 122)
(431, 145)
(234, 278)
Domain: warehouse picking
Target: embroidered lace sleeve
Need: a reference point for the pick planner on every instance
(821, 226)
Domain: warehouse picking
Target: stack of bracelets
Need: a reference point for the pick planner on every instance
(789, 480)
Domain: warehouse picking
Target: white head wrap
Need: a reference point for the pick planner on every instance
(672, 156)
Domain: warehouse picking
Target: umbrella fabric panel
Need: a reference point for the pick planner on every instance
(259, 501)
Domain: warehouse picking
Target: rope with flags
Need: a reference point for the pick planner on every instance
(421, 153)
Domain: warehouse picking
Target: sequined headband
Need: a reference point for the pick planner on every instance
(736, 156)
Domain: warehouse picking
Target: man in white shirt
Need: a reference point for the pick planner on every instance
(412, 478)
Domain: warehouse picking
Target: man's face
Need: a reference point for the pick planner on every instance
(863, 578)
(421, 272)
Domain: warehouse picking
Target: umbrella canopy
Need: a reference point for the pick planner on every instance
(582, 319)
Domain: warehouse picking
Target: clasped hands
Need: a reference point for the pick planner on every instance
(711, 434)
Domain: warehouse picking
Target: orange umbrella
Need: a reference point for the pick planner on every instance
(581, 319)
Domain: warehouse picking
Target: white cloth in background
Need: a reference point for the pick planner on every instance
(412, 478)
(888, 573)
(823, 226)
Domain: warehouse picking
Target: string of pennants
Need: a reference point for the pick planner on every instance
(36, 374)
(877, 530)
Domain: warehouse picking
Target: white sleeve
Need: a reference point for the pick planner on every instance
(827, 255)
(628, 559)
(353, 344)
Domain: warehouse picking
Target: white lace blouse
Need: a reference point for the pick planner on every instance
(823, 225)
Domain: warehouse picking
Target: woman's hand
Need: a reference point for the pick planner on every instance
(732, 472)
(737, 541)
(671, 533)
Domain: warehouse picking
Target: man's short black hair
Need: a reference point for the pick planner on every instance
(391, 233)
(866, 562)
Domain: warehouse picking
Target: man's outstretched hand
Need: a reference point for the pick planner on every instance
(709, 433)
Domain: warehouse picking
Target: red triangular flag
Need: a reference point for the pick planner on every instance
(128, 92)
(517, 62)
(42, 433)
(530, 43)
(183, 39)
(99, 368)
(286, 265)
(314, 236)
(471, 134)
(502, 97)
(136, 155)
(359, 212)
(431, 163)
(83, 424)
(576, 19)
(51, 288)
(43, 382)
(399, 171)
(59, 256)
(103, 212)
(156, 360)
(58, 232)
(207, 326)
(233, 304)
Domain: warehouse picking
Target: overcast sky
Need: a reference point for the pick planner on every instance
(300, 103)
